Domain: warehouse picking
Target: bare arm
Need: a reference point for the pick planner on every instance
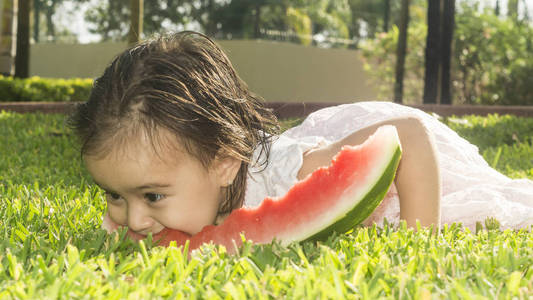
(417, 178)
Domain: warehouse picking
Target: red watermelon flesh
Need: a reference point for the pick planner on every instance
(333, 198)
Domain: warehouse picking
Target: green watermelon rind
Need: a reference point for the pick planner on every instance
(364, 208)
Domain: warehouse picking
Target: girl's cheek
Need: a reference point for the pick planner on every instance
(117, 215)
(108, 224)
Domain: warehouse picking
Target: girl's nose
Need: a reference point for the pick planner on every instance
(139, 219)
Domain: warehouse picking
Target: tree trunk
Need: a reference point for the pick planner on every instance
(448, 25)
(36, 19)
(386, 16)
(401, 52)
(8, 36)
(433, 56)
(354, 28)
(22, 58)
(50, 28)
(526, 12)
(257, 20)
(512, 9)
(497, 8)
(210, 24)
(136, 21)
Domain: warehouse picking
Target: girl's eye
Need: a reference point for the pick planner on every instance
(113, 196)
(153, 197)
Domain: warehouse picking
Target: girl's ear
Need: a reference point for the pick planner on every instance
(227, 169)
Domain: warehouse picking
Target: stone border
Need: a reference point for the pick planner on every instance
(43, 107)
(302, 109)
(295, 110)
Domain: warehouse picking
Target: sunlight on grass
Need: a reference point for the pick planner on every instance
(506, 142)
(51, 245)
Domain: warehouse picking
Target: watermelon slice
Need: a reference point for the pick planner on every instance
(334, 198)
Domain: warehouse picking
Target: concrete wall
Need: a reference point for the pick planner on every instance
(72, 60)
(277, 71)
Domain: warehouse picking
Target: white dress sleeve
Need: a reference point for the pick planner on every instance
(280, 173)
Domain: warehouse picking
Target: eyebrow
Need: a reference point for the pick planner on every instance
(152, 185)
(142, 187)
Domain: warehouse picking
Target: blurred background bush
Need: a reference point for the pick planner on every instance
(491, 46)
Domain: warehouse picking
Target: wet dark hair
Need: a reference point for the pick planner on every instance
(184, 83)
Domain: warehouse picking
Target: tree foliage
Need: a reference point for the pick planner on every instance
(110, 19)
(331, 23)
(45, 26)
(315, 21)
(492, 59)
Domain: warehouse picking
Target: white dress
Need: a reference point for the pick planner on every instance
(471, 189)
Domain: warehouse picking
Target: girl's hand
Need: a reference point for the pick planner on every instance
(418, 175)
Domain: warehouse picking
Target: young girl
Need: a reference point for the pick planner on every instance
(175, 139)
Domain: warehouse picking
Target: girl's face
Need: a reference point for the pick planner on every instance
(147, 191)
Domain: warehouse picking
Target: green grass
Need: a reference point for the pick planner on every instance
(506, 142)
(51, 245)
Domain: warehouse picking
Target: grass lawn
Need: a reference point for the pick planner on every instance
(51, 245)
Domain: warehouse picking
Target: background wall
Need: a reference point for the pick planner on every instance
(277, 71)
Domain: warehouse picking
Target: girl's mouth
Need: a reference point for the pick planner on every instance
(135, 236)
